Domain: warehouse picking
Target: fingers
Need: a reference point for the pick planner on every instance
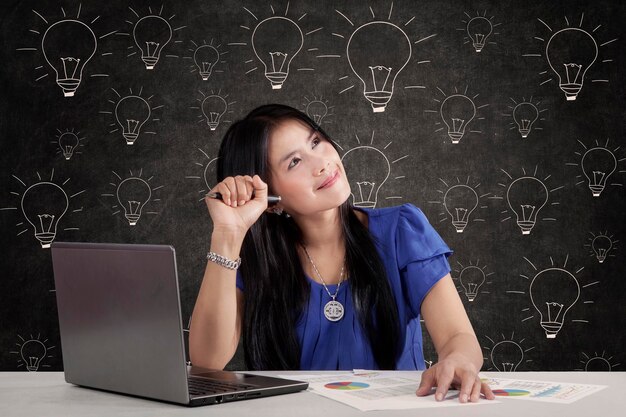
(260, 189)
(236, 190)
(476, 388)
(244, 189)
(426, 384)
(443, 377)
(485, 389)
(435, 377)
(468, 382)
(444, 380)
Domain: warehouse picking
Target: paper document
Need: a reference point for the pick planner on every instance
(555, 392)
(374, 390)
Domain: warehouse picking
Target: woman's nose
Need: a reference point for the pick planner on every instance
(322, 168)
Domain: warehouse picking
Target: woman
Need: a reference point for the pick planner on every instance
(322, 284)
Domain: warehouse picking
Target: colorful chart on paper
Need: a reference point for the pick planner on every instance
(510, 392)
(346, 385)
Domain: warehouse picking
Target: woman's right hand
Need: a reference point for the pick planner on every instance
(237, 211)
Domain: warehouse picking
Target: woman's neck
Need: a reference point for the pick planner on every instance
(322, 231)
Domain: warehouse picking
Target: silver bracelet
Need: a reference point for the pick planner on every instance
(223, 261)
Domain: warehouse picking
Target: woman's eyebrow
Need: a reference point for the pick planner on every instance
(292, 153)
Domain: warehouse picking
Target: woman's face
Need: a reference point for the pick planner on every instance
(305, 169)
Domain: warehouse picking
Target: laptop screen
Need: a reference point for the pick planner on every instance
(119, 318)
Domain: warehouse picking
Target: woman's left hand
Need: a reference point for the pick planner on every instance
(456, 373)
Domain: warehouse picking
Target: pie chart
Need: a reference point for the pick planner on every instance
(346, 385)
(510, 392)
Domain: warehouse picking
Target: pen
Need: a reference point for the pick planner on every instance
(271, 199)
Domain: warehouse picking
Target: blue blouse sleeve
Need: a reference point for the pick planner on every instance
(421, 255)
(239, 280)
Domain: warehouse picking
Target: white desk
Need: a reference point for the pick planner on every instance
(48, 395)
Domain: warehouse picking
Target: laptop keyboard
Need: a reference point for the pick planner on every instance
(205, 386)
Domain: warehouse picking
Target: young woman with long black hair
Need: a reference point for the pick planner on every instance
(314, 282)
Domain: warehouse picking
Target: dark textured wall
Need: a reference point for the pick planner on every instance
(566, 255)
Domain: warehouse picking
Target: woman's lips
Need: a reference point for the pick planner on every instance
(330, 180)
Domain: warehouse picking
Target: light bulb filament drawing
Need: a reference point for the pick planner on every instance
(70, 66)
(380, 76)
(151, 49)
(364, 195)
(572, 73)
(526, 220)
(554, 317)
(278, 62)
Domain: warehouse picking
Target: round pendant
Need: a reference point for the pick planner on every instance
(333, 310)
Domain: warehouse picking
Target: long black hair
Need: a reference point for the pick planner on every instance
(275, 284)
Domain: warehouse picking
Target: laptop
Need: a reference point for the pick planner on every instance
(121, 328)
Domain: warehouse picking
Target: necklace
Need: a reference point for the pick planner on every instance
(333, 310)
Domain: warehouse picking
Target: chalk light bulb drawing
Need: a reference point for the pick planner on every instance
(213, 108)
(601, 246)
(472, 278)
(131, 113)
(133, 193)
(479, 29)
(457, 111)
(377, 52)
(151, 34)
(276, 42)
(598, 364)
(553, 292)
(68, 142)
(67, 46)
(317, 110)
(525, 114)
(460, 201)
(210, 173)
(526, 197)
(367, 169)
(570, 53)
(33, 352)
(506, 356)
(206, 57)
(598, 164)
(43, 205)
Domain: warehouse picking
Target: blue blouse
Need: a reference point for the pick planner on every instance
(415, 258)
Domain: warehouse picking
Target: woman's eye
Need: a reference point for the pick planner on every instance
(315, 142)
(294, 162)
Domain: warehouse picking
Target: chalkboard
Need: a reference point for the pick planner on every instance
(503, 121)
